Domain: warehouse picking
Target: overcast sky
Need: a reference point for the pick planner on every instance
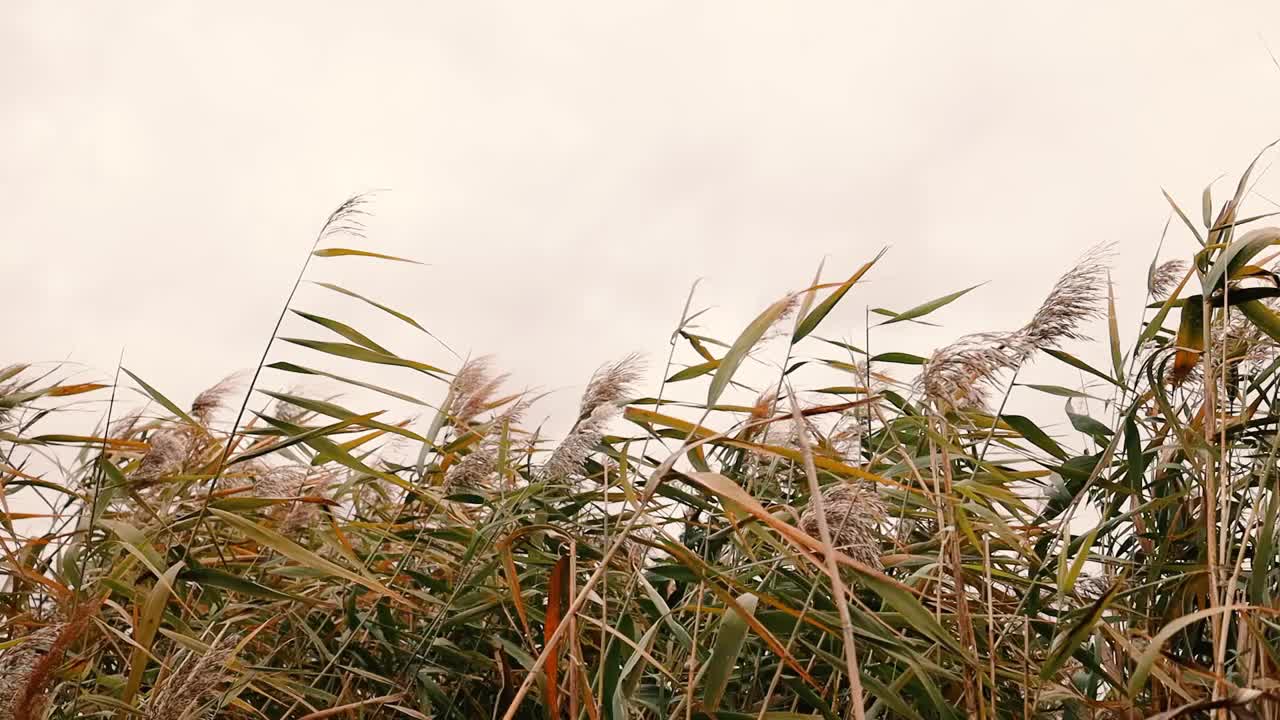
(569, 169)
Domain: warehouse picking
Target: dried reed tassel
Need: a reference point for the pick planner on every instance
(37, 664)
(18, 664)
(281, 482)
(293, 481)
(611, 384)
(166, 455)
(573, 451)
(191, 686)
(958, 376)
(473, 391)
(473, 472)
(777, 328)
(854, 514)
(212, 399)
(1165, 277)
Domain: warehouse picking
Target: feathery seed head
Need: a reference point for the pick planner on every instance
(568, 457)
(183, 694)
(776, 328)
(611, 383)
(166, 455)
(1092, 587)
(286, 411)
(854, 513)
(282, 481)
(211, 399)
(473, 472)
(18, 663)
(473, 390)
(1165, 277)
(1076, 298)
(765, 404)
(959, 375)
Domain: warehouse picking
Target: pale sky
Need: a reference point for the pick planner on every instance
(569, 169)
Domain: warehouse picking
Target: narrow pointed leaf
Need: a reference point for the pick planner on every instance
(926, 308)
(343, 252)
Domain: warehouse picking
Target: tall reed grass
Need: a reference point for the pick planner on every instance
(890, 544)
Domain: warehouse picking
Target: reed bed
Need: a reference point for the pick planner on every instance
(874, 536)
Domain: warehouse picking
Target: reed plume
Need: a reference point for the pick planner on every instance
(19, 663)
(189, 687)
(1090, 587)
(572, 452)
(610, 384)
(473, 472)
(28, 692)
(212, 399)
(958, 376)
(854, 513)
(473, 390)
(1165, 277)
(167, 453)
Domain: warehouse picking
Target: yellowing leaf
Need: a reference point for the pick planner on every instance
(340, 252)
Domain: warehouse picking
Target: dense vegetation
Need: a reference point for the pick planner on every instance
(872, 536)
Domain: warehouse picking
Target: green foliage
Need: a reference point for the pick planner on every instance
(299, 562)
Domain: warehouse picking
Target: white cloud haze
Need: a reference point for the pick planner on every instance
(569, 169)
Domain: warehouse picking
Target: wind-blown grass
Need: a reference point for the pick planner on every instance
(888, 544)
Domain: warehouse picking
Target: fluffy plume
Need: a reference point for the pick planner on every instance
(191, 685)
(37, 663)
(474, 389)
(292, 481)
(347, 218)
(1076, 298)
(473, 472)
(958, 375)
(166, 455)
(1165, 277)
(125, 426)
(212, 399)
(854, 514)
(765, 404)
(279, 482)
(611, 384)
(19, 663)
(637, 547)
(568, 457)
